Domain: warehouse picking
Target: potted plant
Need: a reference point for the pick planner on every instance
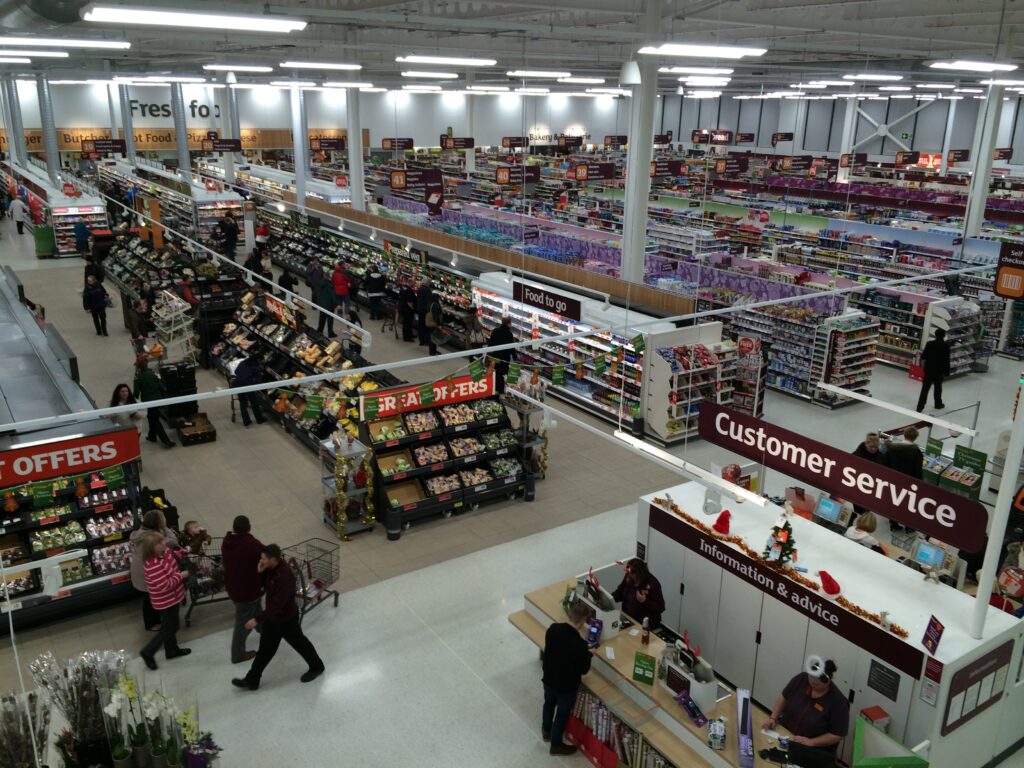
(24, 727)
(157, 709)
(203, 752)
(116, 722)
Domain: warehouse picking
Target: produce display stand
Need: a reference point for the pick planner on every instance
(453, 452)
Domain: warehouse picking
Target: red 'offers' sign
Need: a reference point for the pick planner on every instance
(446, 392)
(67, 457)
(927, 508)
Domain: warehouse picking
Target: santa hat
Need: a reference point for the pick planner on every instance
(829, 585)
(722, 523)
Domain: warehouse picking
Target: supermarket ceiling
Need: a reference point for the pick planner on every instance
(805, 39)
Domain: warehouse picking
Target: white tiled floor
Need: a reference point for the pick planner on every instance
(423, 667)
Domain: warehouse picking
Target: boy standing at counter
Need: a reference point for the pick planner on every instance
(566, 661)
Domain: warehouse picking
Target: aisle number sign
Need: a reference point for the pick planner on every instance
(1010, 273)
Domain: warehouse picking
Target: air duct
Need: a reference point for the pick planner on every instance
(49, 129)
(31, 15)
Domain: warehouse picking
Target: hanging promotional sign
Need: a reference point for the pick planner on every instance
(56, 458)
(403, 178)
(547, 300)
(222, 145)
(907, 158)
(745, 138)
(592, 172)
(731, 165)
(929, 509)
(777, 137)
(305, 220)
(328, 143)
(850, 160)
(514, 142)
(280, 311)
(516, 174)
(616, 141)
(1003, 153)
(958, 156)
(105, 146)
(570, 141)
(662, 168)
(798, 163)
(708, 136)
(663, 138)
(396, 143)
(1010, 272)
(458, 142)
(415, 255)
(457, 389)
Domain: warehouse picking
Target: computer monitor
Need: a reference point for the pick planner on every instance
(829, 510)
(802, 504)
(931, 554)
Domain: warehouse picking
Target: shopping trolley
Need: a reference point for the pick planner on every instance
(206, 576)
(315, 564)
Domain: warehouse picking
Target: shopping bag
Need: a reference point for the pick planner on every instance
(917, 370)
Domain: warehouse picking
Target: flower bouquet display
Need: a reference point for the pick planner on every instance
(127, 727)
(75, 690)
(24, 728)
(199, 749)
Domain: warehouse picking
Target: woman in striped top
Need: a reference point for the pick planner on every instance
(165, 583)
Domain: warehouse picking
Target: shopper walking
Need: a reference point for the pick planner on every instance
(94, 301)
(287, 282)
(123, 396)
(280, 619)
(165, 582)
(95, 269)
(342, 286)
(374, 286)
(407, 311)
(82, 235)
(323, 297)
(566, 660)
(135, 319)
(424, 300)
(152, 522)
(870, 449)
(248, 372)
(240, 556)
(935, 361)
(20, 213)
(229, 232)
(501, 335)
(905, 456)
(149, 387)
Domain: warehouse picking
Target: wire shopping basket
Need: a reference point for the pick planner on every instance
(206, 576)
(316, 567)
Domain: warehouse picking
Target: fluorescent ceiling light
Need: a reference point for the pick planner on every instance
(421, 87)
(432, 75)
(609, 91)
(449, 60)
(779, 94)
(872, 76)
(37, 54)
(119, 14)
(843, 83)
(14, 60)
(902, 96)
(964, 65)
(534, 91)
(936, 86)
(953, 98)
(582, 80)
(347, 84)
(290, 83)
(745, 96)
(319, 65)
(539, 73)
(703, 94)
(236, 68)
(807, 85)
(702, 51)
(1001, 82)
(373, 90)
(65, 42)
(968, 90)
(894, 87)
(487, 88)
(703, 80)
(695, 70)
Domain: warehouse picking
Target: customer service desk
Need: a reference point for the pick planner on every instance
(648, 709)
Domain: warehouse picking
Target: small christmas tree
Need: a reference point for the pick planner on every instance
(781, 546)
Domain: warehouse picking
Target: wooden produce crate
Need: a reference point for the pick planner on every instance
(195, 429)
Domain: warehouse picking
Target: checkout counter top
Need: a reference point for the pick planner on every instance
(648, 709)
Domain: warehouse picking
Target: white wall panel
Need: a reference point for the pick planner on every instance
(819, 122)
(930, 128)
(670, 114)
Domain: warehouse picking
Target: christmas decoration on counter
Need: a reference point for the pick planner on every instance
(781, 546)
(722, 523)
(829, 586)
(742, 546)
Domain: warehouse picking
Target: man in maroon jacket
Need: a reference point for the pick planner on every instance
(280, 618)
(240, 555)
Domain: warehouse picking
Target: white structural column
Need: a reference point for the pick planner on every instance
(947, 137)
(982, 149)
(639, 155)
(849, 136)
(127, 122)
(470, 104)
(180, 132)
(799, 124)
(14, 107)
(300, 144)
(229, 128)
(49, 129)
(5, 103)
(356, 176)
(112, 103)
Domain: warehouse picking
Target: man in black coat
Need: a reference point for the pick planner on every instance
(935, 361)
(249, 372)
(407, 311)
(373, 286)
(566, 660)
(424, 298)
(501, 335)
(94, 301)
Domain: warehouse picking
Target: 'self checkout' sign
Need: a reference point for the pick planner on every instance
(67, 457)
(1010, 274)
(918, 505)
(549, 301)
(446, 392)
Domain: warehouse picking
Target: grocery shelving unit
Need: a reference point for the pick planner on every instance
(345, 509)
(271, 183)
(1011, 342)
(844, 355)
(961, 319)
(751, 378)
(684, 242)
(901, 318)
(174, 328)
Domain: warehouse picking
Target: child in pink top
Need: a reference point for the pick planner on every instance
(165, 582)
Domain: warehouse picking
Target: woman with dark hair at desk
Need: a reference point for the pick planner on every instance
(640, 594)
(813, 709)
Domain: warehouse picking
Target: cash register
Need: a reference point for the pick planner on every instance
(606, 620)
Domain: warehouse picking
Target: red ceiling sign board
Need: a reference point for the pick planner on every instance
(592, 172)
(396, 144)
(1003, 153)
(328, 144)
(458, 142)
(403, 178)
(570, 141)
(929, 160)
(222, 145)
(924, 507)
(513, 142)
(661, 168)
(58, 458)
(731, 165)
(458, 389)
(777, 137)
(958, 156)
(105, 146)
(745, 138)
(516, 174)
(907, 158)
(663, 138)
(618, 140)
